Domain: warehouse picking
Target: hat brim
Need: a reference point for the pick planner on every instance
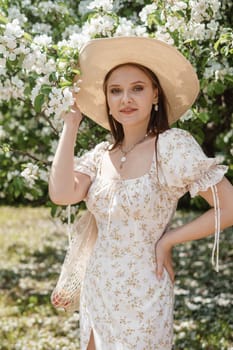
(176, 75)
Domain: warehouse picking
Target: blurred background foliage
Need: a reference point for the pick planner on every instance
(28, 136)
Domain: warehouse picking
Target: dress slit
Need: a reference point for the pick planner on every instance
(91, 342)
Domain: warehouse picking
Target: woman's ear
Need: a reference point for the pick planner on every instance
(156, 97)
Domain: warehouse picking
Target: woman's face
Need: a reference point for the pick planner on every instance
(130, 95)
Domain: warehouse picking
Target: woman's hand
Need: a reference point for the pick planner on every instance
(74, 115)
(163, 254)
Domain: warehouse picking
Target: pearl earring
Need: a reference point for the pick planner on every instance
(156, 107)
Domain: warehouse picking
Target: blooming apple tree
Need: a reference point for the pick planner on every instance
(39, 49)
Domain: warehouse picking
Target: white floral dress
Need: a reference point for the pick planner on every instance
(122, 301)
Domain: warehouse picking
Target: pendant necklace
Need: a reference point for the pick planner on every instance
(125, 153)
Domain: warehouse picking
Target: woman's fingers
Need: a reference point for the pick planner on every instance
(159, 256)
(74, 115)
(163, 261)
(161, 266)
(159, 269)
(170, 272)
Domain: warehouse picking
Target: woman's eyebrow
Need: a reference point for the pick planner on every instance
(133, 83)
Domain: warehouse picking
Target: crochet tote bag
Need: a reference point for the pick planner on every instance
(66, 294)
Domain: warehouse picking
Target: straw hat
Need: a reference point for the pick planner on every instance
(175, 73)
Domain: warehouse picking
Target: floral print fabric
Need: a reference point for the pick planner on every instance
(121, 299)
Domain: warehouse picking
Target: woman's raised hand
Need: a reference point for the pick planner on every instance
(74, 115)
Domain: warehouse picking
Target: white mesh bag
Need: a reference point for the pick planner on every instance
(66, 294)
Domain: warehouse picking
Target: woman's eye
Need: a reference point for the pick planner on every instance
(138, 88)
(115, 91)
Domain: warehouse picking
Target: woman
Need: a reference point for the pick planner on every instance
(136, 87)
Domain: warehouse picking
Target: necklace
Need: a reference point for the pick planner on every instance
(126, 152)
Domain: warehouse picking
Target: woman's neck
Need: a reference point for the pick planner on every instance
(133, 136)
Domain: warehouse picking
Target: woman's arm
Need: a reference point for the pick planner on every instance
(65, 185)
(199, 228)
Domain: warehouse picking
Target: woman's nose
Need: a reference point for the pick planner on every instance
(126, 97)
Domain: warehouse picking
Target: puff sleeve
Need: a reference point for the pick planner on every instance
(89, 161)
(183, 164)
(184, 167)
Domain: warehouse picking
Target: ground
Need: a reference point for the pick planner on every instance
(32, 248)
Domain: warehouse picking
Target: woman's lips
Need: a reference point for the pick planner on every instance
(128, 110)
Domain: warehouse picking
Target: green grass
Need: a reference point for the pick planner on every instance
(32, 248)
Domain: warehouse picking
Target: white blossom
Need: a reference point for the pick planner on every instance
(11, 43)
(146, 11)
(76, 41)
(195, 31)
(5, 90)
(83, 7)
(36, 90)
(43, 175)
(37, 61)
(228, 136)
(124, 28)
(30, 174)
(141, 31)
(217, 70)
(173, 23)
(3, 50)
(12, 174)
(22, 49)
(3, 133)
(162, 35)
(11, 88)
(200, 10)
(211, 30)
(231, 150)
(59, 101)
(178, 6)
(49, 6)
(187, 115)
(2, 66)
(13, 30)
(26, 3)
(103, 25)
(41, 28)
(42, 40)
(17, 82)
(105, 5)
(14, 13)
(70, 30)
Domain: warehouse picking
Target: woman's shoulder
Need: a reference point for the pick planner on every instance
(178, 139)
(174, 133)
(102, 146)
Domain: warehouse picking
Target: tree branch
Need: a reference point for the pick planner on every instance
(50, 123)
(27, 154)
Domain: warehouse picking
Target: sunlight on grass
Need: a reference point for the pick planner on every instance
(32, 247)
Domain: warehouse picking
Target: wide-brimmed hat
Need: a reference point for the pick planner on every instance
(176, 75)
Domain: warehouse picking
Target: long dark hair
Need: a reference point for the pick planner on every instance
(158, 122)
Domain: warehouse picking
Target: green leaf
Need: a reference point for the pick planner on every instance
(38, 103)
(5, 147)
(76, 71)
(204, 117)
(27, 91)
(53, 77)
(3, 19)
(65, 83)
(46, 89)
(53, 210)
(229, 78)
(28, 37)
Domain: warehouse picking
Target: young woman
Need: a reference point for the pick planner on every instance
(136, 87)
